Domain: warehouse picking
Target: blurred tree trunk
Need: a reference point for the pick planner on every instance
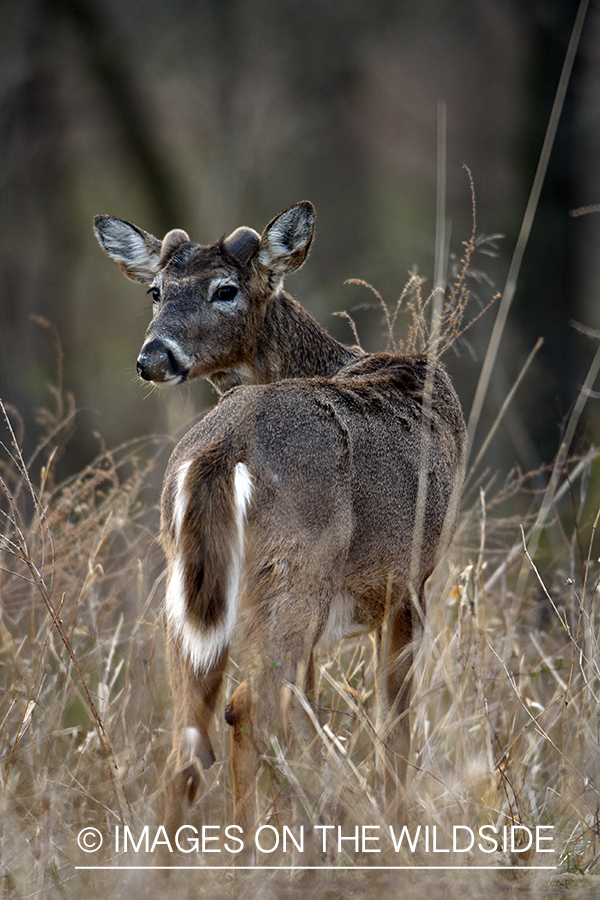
(111, 66)
(548, 292)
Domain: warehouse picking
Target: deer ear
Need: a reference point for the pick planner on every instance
(243, 243)
(171, 242)
(136, 252)
(286, 240)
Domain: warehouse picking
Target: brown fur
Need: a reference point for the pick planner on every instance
(334, 447)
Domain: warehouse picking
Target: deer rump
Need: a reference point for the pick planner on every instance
(291, 507)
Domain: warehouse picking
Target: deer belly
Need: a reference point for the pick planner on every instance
(341, 621)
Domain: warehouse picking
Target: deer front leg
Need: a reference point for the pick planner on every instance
(194, 699)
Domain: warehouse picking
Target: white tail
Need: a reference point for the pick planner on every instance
(291, 507)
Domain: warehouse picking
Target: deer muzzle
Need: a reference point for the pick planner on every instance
(158, 363)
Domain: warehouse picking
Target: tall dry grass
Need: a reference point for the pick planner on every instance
(82, 695)
(505, 710)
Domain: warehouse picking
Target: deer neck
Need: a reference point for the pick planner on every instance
(290, 344)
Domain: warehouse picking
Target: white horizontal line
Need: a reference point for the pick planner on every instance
(335, 868)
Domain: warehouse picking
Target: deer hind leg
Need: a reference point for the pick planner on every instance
(393, 678)
(266, 704)
(245, 758)
(194, 700)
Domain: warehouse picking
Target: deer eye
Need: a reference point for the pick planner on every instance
(155, 294)
(225, 292)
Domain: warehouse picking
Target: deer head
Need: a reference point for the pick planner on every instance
(209, 302)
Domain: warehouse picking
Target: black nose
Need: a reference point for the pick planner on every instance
(157, 362)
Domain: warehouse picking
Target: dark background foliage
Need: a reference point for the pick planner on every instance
(213, 113)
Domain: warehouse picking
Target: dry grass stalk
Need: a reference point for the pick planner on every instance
(423, 335)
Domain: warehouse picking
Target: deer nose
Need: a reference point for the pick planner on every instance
(157, 362)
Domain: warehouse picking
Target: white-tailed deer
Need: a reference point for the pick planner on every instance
(312, 503)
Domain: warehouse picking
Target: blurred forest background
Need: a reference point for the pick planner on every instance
(208, 114)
